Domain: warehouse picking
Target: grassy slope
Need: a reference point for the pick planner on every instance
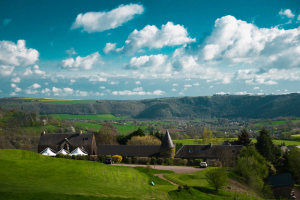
(101, 117)
(38, 129)
(37, 176)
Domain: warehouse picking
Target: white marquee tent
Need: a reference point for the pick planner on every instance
(48, 152)
(78, 151)
(63, 151)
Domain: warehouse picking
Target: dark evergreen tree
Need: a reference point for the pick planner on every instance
(244, 138)
(265, 146)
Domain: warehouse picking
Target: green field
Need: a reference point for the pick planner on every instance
(101, 117)
(28, 175)
(36, 176)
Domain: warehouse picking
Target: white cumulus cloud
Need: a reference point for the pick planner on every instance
(87, 62)
(6, 70)
(15, 80)
(287, 12)
(101, 21)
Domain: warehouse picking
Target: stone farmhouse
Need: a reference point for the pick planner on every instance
(87, 142)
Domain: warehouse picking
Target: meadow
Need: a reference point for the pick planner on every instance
(26, 175)
(101, 117)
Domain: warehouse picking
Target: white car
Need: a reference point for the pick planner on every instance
(203, 164)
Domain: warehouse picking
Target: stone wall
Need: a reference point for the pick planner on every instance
(167, 153)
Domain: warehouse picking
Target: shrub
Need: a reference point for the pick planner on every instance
(160, 161)
(79, 157)
(117, 158)
(93, 157)
(60, 155)
(177, 161)
(136, 160)
(129, 160)
(101, 158)
(153, 160)
(108, 156)
(68, 156)
(144, 160)
(74, 157)
(197, 162)
(184, 162)
(191, 162)
(148, 168)
(167, 161)
(85, 157)
(217, 178)
(180, 189)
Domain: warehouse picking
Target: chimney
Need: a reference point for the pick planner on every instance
(80, 132)
(43, 133)
(211, 145)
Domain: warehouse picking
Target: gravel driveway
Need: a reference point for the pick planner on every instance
(176, 169)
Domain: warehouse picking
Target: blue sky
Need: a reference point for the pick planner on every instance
(148, 49)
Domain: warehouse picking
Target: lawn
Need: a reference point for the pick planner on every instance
(101, 117)
(28, 175)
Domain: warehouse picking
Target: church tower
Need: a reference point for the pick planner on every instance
(167, 148)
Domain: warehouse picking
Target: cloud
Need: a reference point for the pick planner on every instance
(175, 84)
(102, 87)
(38, 71)
(6, 70)
(287, 13)
(187, 86)
(17, 54)
(13, 85)
(98, 78)
(260, 81)
(30, 91)
(13, 94)
(6, 21)
(211, 86)
(71, 51)
(237, 42)
(152, 63)
(181, 93)
(174, 90)
(153, 38)
(34, 86)
(138, 82)
(86, 63)
(17, 89)
(111, 48)
(101, 21)
(0, 90)
(196, 84)
(298, 18)
(114, 83)
(138, 91)
(242, 93)
(15, 80)
(256, 88)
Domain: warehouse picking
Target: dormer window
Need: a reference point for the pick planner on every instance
(190, 150)
(233, 151)
(200, 150)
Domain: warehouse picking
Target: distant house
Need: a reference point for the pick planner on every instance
(209, 153)
(68, 141)
(283, 186)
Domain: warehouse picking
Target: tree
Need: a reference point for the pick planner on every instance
(294, 162)
(207, 136)
(244, 138)
(265, 146)
(146, 140)
(217, 178)
(106, 135)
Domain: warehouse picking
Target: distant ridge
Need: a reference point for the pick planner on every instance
(250, 106)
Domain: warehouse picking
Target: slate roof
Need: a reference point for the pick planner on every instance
(129, 150)
(72, 138)
(167, 141)
(281, 180)
(207, 151)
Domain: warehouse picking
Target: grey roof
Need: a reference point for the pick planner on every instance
(167, 141)
(72, 138)
(281, 180)
(207, 151)
(129, 150)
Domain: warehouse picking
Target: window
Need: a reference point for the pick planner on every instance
(200, 150)
(190, 150)
(85, 138)
(181, 151)
(233, 151)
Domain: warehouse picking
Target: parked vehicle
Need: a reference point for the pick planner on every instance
(109, 161)
(203, 164)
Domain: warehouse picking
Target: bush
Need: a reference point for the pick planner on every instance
(197, 162)
(177, 161)
(153, 160)
(144, 160)
(117, 158)
(108, 156)
(60, 155)
(136, 160)
(79, 157)
(191, 162)
(93, 158)
(148, 168)
(184, 162)
(216, 178)
(101, 158)
(85, 157)
(68, 156)
(74, 157)
(160, 161)
(169, 161)
(129, 160)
